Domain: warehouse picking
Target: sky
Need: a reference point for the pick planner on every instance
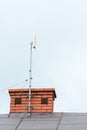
(60, 59)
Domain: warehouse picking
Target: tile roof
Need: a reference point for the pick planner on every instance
(44, 121)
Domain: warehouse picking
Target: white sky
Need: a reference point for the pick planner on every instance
(60, 60)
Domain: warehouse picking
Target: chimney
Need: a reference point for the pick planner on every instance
(42, 100)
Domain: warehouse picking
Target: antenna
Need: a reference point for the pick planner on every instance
(34, 42)
(32, 45)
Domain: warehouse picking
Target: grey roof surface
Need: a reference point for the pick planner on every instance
(44, 121)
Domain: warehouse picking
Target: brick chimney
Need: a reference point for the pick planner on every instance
(42, 100)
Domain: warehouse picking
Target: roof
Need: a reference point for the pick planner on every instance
(44, 121)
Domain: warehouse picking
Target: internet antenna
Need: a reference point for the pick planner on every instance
(32, 45)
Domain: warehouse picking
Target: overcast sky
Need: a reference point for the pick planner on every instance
(60, 60)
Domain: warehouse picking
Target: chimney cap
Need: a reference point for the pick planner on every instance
(33, 90)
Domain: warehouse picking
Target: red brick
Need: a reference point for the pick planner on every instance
(36, 95)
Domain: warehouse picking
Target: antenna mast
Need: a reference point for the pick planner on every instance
(32, 45)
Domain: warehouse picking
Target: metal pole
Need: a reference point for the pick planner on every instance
(30, 78)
